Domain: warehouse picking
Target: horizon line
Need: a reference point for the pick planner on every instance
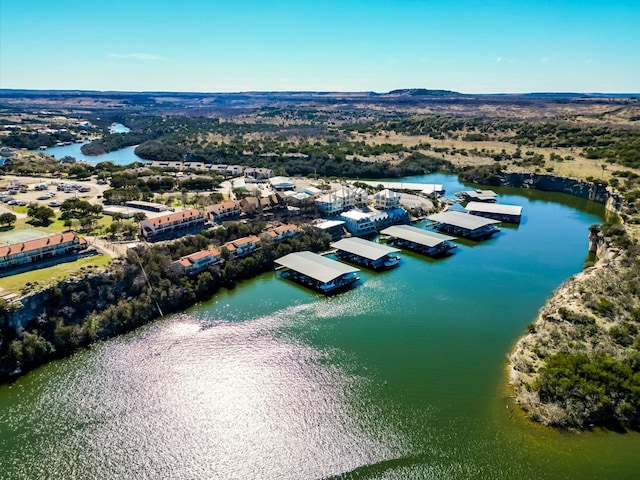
(240, 92)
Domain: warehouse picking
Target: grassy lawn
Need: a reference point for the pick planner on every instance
(57, 226)
(42, 277)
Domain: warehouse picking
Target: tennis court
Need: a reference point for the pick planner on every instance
(19, 236)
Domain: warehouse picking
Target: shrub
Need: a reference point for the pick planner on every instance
(591, 388)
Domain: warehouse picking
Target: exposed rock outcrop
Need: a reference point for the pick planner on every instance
(594, 313)
(594, 191)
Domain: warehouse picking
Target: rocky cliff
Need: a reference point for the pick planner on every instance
(594, 191)
(578, 363)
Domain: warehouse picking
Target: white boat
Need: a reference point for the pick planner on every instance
(392, 261)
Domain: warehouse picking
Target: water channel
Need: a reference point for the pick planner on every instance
(402, 377)
(123, 156)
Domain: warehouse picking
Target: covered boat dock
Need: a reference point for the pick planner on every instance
(366, 253)
(496, 211)
(428, 189)
(420, 240)
(464, 225)
(487, 196)
(317, 272)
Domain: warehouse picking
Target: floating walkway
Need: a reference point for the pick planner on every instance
(496, 211)
(366, 253)
(420, 240)
(464, 225)
(317, 272)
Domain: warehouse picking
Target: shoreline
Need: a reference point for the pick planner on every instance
(519, 363)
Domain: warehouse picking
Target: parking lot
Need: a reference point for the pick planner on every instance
(21, 191)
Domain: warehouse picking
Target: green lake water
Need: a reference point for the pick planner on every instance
(402, 377)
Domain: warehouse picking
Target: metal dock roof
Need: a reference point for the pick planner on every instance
(497, 208)
(364, 248)
(461, 219)
(315, 266)
(329, 224)
(416, 235)
(427, 188)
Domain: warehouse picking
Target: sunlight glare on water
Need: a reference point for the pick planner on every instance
(221, 399)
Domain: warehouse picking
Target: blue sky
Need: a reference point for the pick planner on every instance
(239, 45)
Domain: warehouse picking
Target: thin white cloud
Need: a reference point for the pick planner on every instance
(143, 57)
(545, 59)
(499, 59)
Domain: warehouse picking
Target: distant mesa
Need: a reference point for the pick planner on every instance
(423, 92)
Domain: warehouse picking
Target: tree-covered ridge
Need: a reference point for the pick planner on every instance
(35, 140)
(173, 129)
(289, 150)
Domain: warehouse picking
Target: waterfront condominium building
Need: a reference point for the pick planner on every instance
(198, 261)
(39, 249)
(152, 228)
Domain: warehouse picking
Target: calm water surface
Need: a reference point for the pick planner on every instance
(402, 377)
(124, 156)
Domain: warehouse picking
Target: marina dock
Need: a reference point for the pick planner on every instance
(366, 253)
(464, 225)
(420, 240)
(315, 271)
(428, 189)
(487, 196)
(496, 211)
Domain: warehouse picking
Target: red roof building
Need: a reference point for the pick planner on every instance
(278, 234)
(40, 249)
(152, 228)
(243, 246)
(223, 210)
(198, 261)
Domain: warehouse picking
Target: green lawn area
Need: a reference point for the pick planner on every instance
(45, 276)
(19, 209)
(57, 226)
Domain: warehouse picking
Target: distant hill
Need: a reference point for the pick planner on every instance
(424, 92)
